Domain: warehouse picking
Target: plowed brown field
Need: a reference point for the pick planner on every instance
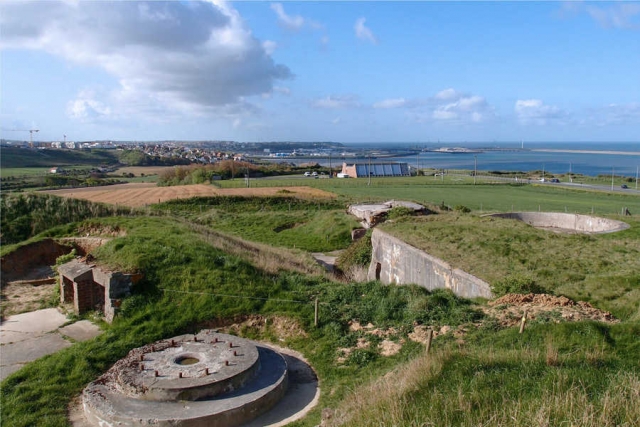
(141, 194)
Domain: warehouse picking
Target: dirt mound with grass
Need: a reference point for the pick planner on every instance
(280, 326)
(509, 309)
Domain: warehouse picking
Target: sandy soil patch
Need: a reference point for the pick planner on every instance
(509, 309)
(142, 194)
(34, 292)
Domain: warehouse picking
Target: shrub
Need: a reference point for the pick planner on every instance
(462, 208)
(358, 254)
(400, 212)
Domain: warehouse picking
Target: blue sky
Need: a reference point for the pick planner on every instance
(321, 71)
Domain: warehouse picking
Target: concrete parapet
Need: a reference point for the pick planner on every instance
(566, 222)
(394, 261)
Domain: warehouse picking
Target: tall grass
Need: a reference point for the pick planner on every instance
(593, 382)
(25, 215)
(311, 225)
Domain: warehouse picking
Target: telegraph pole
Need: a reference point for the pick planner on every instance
(475, 168)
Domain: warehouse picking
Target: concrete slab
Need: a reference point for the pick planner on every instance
(28, 336)
(15, 355)
(81, 331)
(40, 321)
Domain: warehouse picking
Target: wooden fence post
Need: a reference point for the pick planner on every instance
(523, 321)
(429, 338)
(315, 317)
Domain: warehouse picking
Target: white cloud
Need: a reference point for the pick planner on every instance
(450, 105)
(292, 22)
(334, 102)
(282, 90)
(534, 111)
(86, 108)
(269, 46)
(615, 114)
(188, 58)
(448, 94)
(363, 32)
(336, 121)
(391, 103)
(618, 16)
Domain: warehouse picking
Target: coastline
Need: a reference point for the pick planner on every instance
(552, 150)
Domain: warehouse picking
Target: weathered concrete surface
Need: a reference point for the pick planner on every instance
(327, 261)
(127, 394)
(29, 336)
(394, 261)
(566, 222)
(301, 396)
(81, 331)
(372, 214)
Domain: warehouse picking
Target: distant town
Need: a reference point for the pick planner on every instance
(206, 152)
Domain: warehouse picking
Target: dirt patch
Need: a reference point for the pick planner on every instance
(509, 309)
(389, 348)
(23, 296)
(283, 328)
(142, 194)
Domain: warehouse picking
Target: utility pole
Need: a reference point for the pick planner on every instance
(612, 171)
(475, 168)
(570, 175)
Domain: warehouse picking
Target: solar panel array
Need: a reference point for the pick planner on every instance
(382, 169)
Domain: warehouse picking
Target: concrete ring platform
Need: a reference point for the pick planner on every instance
(127, 395)
(566, 222)
(189, 367)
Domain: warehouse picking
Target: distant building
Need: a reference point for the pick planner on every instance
(362, 170)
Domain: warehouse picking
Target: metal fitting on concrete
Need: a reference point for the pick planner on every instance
(155, 373)
(179, 374)
(141, 367)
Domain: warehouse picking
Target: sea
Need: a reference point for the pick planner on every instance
(586, 158)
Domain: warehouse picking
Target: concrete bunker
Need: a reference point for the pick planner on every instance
(566, 222)
(227, 381)
(372, 214)
(88, 287)
(397, 262)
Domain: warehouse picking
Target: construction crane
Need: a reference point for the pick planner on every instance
(31, 131)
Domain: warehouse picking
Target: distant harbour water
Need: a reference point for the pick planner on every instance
(622, 159)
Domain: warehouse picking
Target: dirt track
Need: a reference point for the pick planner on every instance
(141, 194)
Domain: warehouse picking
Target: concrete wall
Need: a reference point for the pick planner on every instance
(394, 261)
(567, 221)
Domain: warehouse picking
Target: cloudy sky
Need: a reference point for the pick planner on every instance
(319, 71)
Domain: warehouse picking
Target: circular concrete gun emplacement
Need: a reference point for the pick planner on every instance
(207, 379)
(566, 222)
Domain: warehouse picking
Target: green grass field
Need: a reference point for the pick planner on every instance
(581, 373)
(485, 197)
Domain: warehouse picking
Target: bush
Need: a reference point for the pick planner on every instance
(462, 208)
(516, 284)
(358, 254)
(400, 212)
